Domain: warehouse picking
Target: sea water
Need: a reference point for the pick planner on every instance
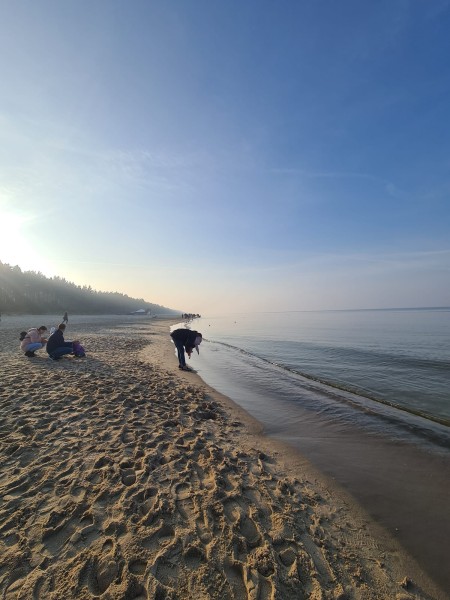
(399, 358)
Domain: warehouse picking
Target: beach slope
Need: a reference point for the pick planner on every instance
(123, 478)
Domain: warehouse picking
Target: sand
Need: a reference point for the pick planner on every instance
(124, 478)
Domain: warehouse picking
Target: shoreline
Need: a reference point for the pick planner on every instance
(397, 471)
(294, 461)
(127, 478)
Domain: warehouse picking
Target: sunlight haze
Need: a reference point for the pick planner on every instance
(229, 156)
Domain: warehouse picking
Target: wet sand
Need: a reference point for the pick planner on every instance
(397, 466)
(124, 478)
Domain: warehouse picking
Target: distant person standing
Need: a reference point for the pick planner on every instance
(65, 318)
(185, 340)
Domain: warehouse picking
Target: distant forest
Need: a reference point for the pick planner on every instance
(27, 292)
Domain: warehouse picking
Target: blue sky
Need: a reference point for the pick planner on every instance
(221, 156)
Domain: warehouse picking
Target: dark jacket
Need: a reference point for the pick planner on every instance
(56, 340)
(185, 336)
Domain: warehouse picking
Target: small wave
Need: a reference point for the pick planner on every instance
(351, 395)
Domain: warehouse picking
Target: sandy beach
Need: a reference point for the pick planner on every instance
(124, 478)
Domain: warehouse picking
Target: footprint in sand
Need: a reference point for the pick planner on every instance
(78, 492)
(108, 545)
(254, 497)
(244, 524)
(161, 537)
(87, 532)
(145, 501)
(126, 437)
(250, 532)
(185, 501)
(203, 531)
(234, 573)
(128, 476)
(103, 461)
(259, 586)
(116, 528)
(54, 520)
(228, 481)
(101, 571)
(101, 576)
(137, 566)
(95, 477)
(317, 557)
(194, 557)
(287, 556)
(127, 472)
(232, 511)
(56, 532)
(148, 505)
(166, 572)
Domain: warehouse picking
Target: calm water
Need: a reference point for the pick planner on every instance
(396, 357)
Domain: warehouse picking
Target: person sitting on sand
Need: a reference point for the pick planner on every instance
(33, 340)
(185, 339)
(57, 346)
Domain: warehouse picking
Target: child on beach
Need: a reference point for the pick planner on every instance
(33, 340)
(185, 339)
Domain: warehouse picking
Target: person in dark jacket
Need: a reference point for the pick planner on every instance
(185, 340)
(57, 346)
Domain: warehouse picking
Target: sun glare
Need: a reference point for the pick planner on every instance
(15, 247)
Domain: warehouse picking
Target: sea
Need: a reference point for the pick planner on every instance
(398, 358)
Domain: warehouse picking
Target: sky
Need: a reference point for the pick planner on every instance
(218, 157)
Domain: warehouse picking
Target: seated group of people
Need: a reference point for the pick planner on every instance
(56, 346)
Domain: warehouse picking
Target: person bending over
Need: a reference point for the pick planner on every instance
(33, 340)
(57, 346)
(185, 340)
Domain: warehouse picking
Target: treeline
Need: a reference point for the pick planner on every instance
(28, 292)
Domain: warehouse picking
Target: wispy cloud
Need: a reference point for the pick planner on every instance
(389, 187)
